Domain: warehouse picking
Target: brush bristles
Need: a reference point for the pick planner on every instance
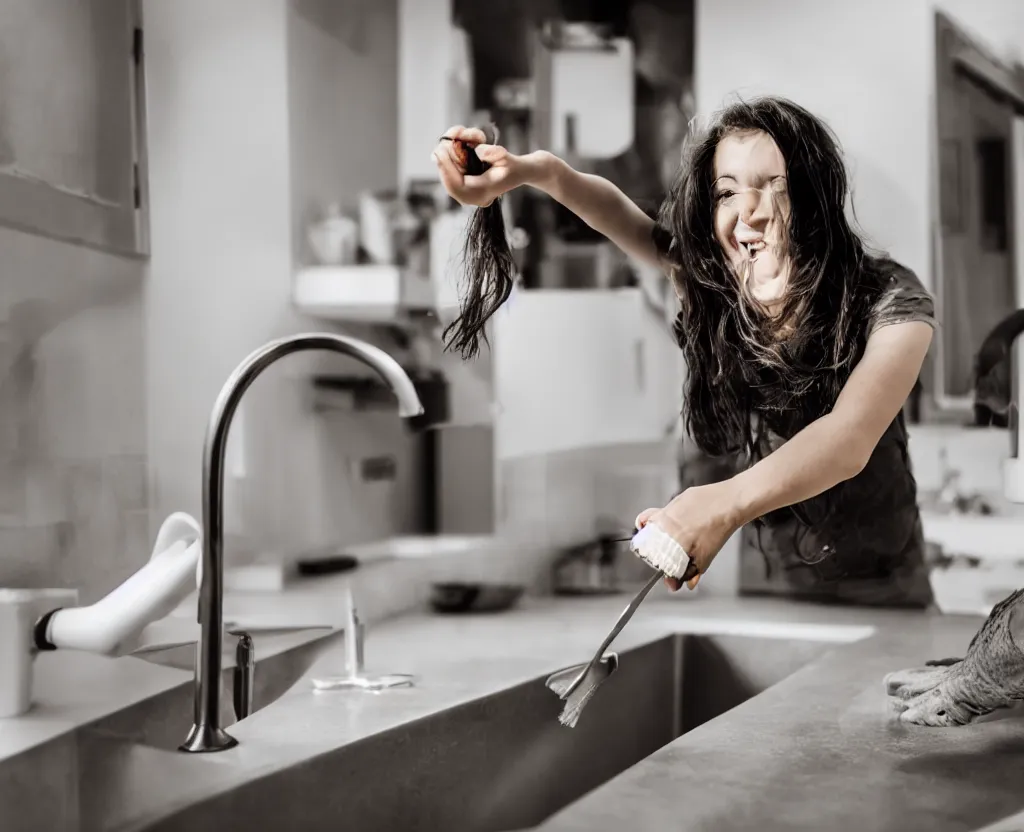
(657, 549)
(560, 684)
(578, 699)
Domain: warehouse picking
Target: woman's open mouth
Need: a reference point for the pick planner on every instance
(751, 248)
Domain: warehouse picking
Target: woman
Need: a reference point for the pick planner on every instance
(801, 347)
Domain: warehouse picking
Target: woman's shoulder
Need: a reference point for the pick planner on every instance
(897, 277)
(901, 296)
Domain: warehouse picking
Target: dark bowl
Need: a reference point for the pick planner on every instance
(467, 597)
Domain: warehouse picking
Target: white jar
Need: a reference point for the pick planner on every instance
(334, 238)
(17, 618)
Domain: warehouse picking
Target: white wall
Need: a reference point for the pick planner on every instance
(342, 93)
(999, 24)
(425, 36)
(868, 69)
(853, 64)
(221, 215)
(260, 112)
(343, 139)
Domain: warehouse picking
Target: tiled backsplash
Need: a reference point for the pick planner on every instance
(74, 507)
(551, 501)
(560, 499)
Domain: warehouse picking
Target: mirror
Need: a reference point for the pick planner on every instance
(977, 102)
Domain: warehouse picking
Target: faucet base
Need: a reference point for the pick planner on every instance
(204, 739)
(367, 683)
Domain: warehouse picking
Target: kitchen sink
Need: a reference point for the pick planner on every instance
(503, 762)
(102, 777)
(163, 721)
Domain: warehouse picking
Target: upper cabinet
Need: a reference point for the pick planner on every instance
(582, 369)
(71, 122)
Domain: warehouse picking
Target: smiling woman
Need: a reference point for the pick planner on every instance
(801, 349)
(753, 209)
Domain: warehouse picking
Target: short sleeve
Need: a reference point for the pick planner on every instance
(904, 298)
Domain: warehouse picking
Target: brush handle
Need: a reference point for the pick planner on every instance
(622, 621)
(627, 614)
(692, 571)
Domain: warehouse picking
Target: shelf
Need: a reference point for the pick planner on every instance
(365, 293)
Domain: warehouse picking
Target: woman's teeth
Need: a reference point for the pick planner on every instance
(752, 248)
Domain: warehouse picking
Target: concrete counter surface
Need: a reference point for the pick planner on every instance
(821, 750)
(816, 751)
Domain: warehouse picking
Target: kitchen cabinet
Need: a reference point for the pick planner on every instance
(566, 370)
(581, 368)
(72, 160)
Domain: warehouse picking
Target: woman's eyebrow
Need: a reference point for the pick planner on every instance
(762, 175)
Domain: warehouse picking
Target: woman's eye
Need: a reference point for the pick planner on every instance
(724, 195)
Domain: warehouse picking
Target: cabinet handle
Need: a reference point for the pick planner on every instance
(641, 364)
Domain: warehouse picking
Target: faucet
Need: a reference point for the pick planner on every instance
(206, 734)
(997, 394)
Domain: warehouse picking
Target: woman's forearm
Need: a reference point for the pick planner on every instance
(820, 456)
(837, 446)
(599, 203)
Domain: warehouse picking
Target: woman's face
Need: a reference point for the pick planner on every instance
(751, 212)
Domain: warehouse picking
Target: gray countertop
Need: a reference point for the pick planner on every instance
(821, 751)
(817, 751)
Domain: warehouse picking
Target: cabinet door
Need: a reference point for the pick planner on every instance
(72, 130)
(650, 399)
(579, 368)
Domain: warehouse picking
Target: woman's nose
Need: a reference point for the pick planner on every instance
(756, 207)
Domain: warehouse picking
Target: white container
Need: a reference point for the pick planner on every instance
(20, 609)
(17, 618)
(334, 238)
(376, 222)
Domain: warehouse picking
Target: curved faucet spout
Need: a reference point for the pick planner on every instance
(206, 733)
(994, 391)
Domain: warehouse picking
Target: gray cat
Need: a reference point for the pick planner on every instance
(952, 692)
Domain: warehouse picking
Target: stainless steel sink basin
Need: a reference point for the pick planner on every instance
(503, 762)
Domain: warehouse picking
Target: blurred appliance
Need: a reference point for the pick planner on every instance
(588, 569)
(581, 265)
(584, 91)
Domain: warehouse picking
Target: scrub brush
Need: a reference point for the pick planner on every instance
(577, 685)
(660, 551)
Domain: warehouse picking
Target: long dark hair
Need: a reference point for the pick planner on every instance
(489, 274)
(787, 367)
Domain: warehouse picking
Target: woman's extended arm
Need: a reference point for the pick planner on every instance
(600, 204)
(596, 201)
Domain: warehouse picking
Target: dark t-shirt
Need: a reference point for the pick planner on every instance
(863, 543)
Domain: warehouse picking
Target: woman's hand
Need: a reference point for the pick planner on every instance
(700, 519)
(507, 170)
